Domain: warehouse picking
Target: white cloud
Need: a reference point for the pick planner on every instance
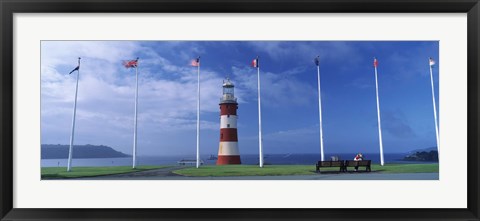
(167, 94)
(334, 51)
(105, 50)
(277, 89)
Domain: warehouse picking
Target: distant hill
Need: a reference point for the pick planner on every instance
(423, 150)
(58, 151)
(431, 156)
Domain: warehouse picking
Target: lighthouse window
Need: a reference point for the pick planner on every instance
(228, 125)
(228, 90)
(228, 116)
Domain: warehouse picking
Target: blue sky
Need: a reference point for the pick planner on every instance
(167, 95)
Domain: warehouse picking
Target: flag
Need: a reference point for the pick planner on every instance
(375, 62)
(131, 63)
(317, 61)
(255, 63)
(432, 62)
(195, 62)
(75, 69)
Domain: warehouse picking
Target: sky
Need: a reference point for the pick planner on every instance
(290, 119)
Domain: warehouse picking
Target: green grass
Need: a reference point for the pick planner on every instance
(281, 170)
(77, 172)
(247, 170)
(407, 168)
(230, 170)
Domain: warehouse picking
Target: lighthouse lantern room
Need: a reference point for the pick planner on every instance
(228, 152)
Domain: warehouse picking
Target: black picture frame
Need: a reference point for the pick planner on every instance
(9, 7)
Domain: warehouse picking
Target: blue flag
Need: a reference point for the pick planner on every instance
(76, 69)
(317, 60)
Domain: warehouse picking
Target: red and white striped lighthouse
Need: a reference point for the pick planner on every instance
(228, 152)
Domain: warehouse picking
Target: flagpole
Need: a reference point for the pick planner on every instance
(434, 108)
(70, 149)
(378, 114)
(320, 113)
(135, 120)
(260, 146)
(198, 113)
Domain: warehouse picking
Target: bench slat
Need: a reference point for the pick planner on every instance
(340, 164)
(362, 163)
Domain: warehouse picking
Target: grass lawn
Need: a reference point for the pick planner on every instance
(279, 170)
(247, 170)
(76, 172)
(406, 168)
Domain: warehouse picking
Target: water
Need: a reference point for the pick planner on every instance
(247, 159)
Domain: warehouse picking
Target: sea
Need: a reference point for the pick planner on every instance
(247, 159)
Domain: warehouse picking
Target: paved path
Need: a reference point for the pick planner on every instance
(166, 174)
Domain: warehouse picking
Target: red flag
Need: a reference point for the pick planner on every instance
(195, 62)
(255, 63)
(375, 62)
(131, 63)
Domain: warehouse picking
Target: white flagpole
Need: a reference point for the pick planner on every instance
(70, 149)
(135, 120)
(260, 148)
(320, 112)
(434, 107)
(379, 124)
(198, 112)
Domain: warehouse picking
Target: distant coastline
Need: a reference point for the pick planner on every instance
(247, 159)
(426, 156)
(60, 151)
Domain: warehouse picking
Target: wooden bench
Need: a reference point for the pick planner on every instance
(339, 164)
(362, 163)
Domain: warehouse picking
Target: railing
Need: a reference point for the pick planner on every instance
(228, 100)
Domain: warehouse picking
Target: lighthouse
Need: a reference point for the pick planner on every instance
(228, 152)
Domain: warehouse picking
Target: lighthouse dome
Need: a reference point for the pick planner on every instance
(228, 83)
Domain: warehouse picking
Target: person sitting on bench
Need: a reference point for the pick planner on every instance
(358, 157)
